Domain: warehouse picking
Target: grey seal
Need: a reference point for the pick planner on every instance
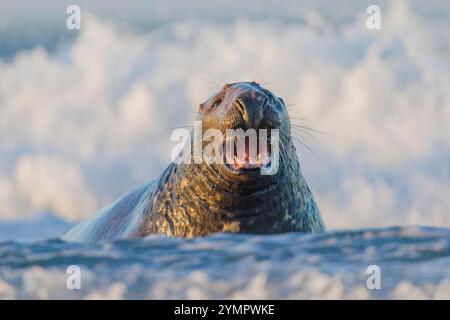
(189, 200)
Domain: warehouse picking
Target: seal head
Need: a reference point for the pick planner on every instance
(250, 108)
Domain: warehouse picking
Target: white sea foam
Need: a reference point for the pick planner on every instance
(309, 284)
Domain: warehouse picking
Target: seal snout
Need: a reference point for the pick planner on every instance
(256, 111)
(252, 109)
(251, 106)
(250, 118)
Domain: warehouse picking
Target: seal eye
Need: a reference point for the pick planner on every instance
(271, 99)
(216, 104)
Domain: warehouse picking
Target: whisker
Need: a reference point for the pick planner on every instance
(180, 127)
(300, 131)
(298, 118)
(258, 63)
(283, 162)
(287, 133)
(192, 112)
(288, 153)
(307, 147)
(211, 82)
(304, 145)
(284, 151)
(264, 82)
(307, 128)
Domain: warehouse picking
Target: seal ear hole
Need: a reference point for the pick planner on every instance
(282, 101)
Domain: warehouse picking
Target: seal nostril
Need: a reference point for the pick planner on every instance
(251, 111)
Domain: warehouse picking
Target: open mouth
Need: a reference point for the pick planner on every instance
(246, 157)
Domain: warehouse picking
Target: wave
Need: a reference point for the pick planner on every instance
(414, 263)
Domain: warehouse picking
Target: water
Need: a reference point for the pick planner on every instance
(414, 263)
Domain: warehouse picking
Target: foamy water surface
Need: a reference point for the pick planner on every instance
(414, 264)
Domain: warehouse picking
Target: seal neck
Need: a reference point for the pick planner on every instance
(197, 200)
(215, 200)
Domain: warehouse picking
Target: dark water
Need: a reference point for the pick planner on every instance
(414, 263)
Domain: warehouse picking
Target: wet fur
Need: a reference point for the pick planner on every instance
(196, 200)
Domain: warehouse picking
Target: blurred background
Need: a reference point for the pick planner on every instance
(85, 115)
